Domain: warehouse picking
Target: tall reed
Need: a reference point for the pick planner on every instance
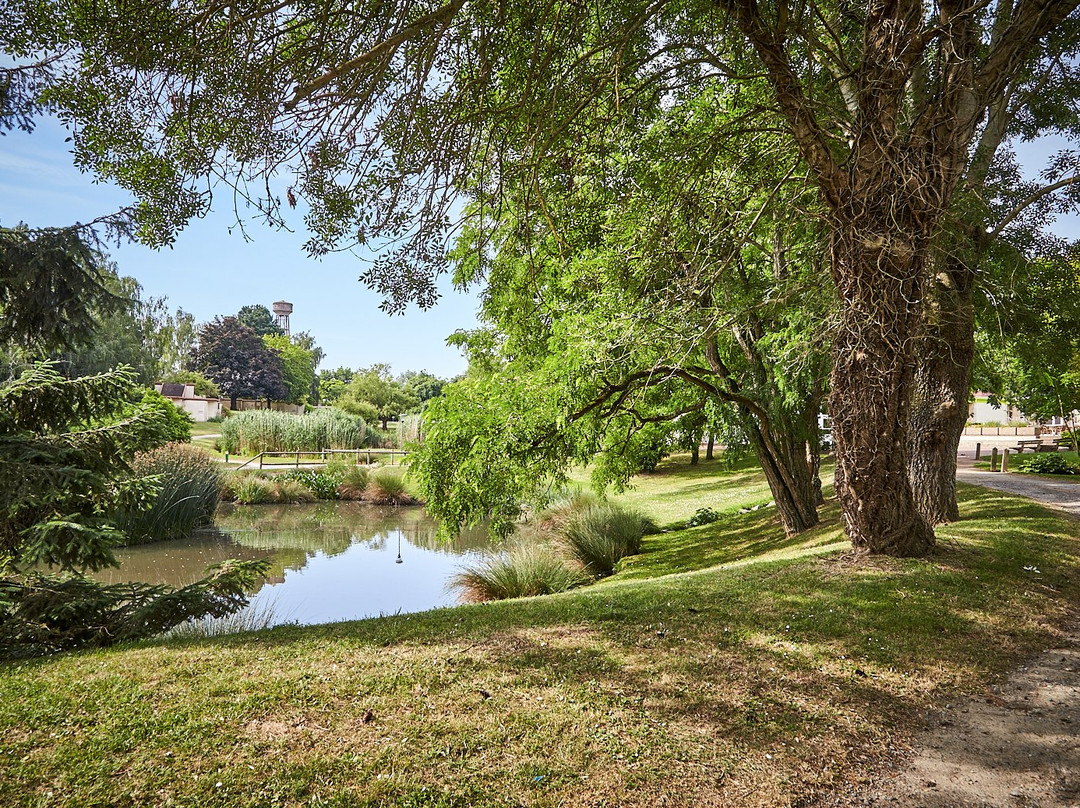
(254, 431)
(190, 487)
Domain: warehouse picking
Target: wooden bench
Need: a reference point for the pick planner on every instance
(1033, 444)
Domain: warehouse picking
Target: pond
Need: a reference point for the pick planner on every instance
(329, 561)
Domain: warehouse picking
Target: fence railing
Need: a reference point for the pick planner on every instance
(294, 459)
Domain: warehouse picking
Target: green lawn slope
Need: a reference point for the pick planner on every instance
(726, 665)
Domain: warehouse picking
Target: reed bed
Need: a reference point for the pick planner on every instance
(255, 431)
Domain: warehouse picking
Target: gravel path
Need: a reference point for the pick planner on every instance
(1015, 747)
(1062, 494)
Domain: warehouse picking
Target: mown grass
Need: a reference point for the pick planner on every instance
(757, 682)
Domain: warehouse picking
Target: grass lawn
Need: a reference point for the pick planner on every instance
(199, 428)
(770, 671)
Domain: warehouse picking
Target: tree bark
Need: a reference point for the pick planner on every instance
(709, 447)
(793, 481)
(877, 268)
(942, 383)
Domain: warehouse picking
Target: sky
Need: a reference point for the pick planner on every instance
(210, 272)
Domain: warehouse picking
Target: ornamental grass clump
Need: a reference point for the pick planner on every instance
(253, 488)
(386, 486)
(354, 482)
(522, 571)
(189, 489)
(600, 535)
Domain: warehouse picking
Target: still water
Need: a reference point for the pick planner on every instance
(329, 561)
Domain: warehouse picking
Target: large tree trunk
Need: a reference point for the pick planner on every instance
(877, 268)
(942, 382)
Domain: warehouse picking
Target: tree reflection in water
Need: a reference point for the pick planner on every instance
(327, 557)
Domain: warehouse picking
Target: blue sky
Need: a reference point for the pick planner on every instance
(209, 272)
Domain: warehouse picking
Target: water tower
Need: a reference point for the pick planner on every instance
(282, 310)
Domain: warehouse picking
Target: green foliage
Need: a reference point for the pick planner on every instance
(254, 431)
(523, 571)
(322, 483)
(1049, 463)
(702, 516)
(599, 536)
(354, 482)
(252, 488)
(53, 289)
(298, 366)
(259, 319)
(386, 486)
(42, 614)
(189, 486)
(374, 393)
(177, 422)
(422, 386)
(65, 446)
(333, 384)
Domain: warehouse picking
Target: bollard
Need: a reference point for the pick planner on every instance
(994, 459)
(978, 451)
(1005, 460)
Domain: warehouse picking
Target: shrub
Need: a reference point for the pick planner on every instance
(387, 487)
(522, 571)
(600, 535)
(190, 488)
(323, 483)
(702, 516)
(253, 488)
(178, 422)
(1049, 463)
(289, 492)
(554, 517)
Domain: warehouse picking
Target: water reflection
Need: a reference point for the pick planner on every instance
(329, 561)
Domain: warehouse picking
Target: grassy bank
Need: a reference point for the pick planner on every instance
(781, 673)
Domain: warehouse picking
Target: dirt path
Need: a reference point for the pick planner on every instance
(1018, 746)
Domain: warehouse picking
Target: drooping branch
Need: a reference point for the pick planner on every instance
(380, 52)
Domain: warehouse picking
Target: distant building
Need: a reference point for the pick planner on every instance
(183, 396)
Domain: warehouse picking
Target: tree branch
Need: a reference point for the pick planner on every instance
(380, 51)
(1031, 199)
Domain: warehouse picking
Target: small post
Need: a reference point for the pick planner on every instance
(298, 458)
(260, 460)
(978, 451)
(369, 457)
(994, 459)
(1005, 460)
